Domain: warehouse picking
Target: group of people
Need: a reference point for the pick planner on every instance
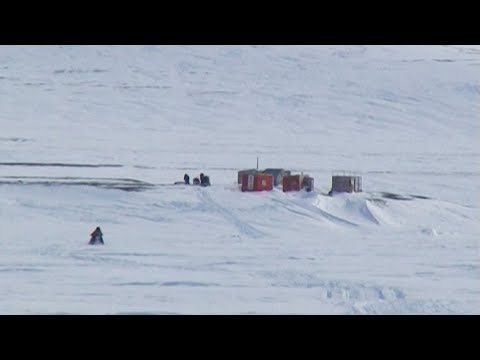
(203, 180)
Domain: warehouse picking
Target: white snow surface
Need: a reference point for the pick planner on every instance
(405, 117)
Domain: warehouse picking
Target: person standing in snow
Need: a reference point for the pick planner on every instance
(204, 180)
(96, 237)
(186, 178)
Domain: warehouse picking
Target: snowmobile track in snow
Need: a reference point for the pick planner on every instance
(106, 183)
(61, 165)
(213, 206)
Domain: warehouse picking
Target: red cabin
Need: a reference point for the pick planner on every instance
(297, 182)
(257, 182)
(291, 183)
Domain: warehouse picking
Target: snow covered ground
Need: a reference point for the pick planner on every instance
(405, 117)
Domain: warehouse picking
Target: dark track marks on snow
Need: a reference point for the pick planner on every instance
(60, 164)
(106, 183)
(13, 139)
(392, 196)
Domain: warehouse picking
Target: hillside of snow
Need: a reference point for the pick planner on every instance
(97, 135)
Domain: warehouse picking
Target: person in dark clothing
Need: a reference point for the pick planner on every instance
(306, 184)
(186, 178)
(96, 237)
(204, 180)
(196, 181)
